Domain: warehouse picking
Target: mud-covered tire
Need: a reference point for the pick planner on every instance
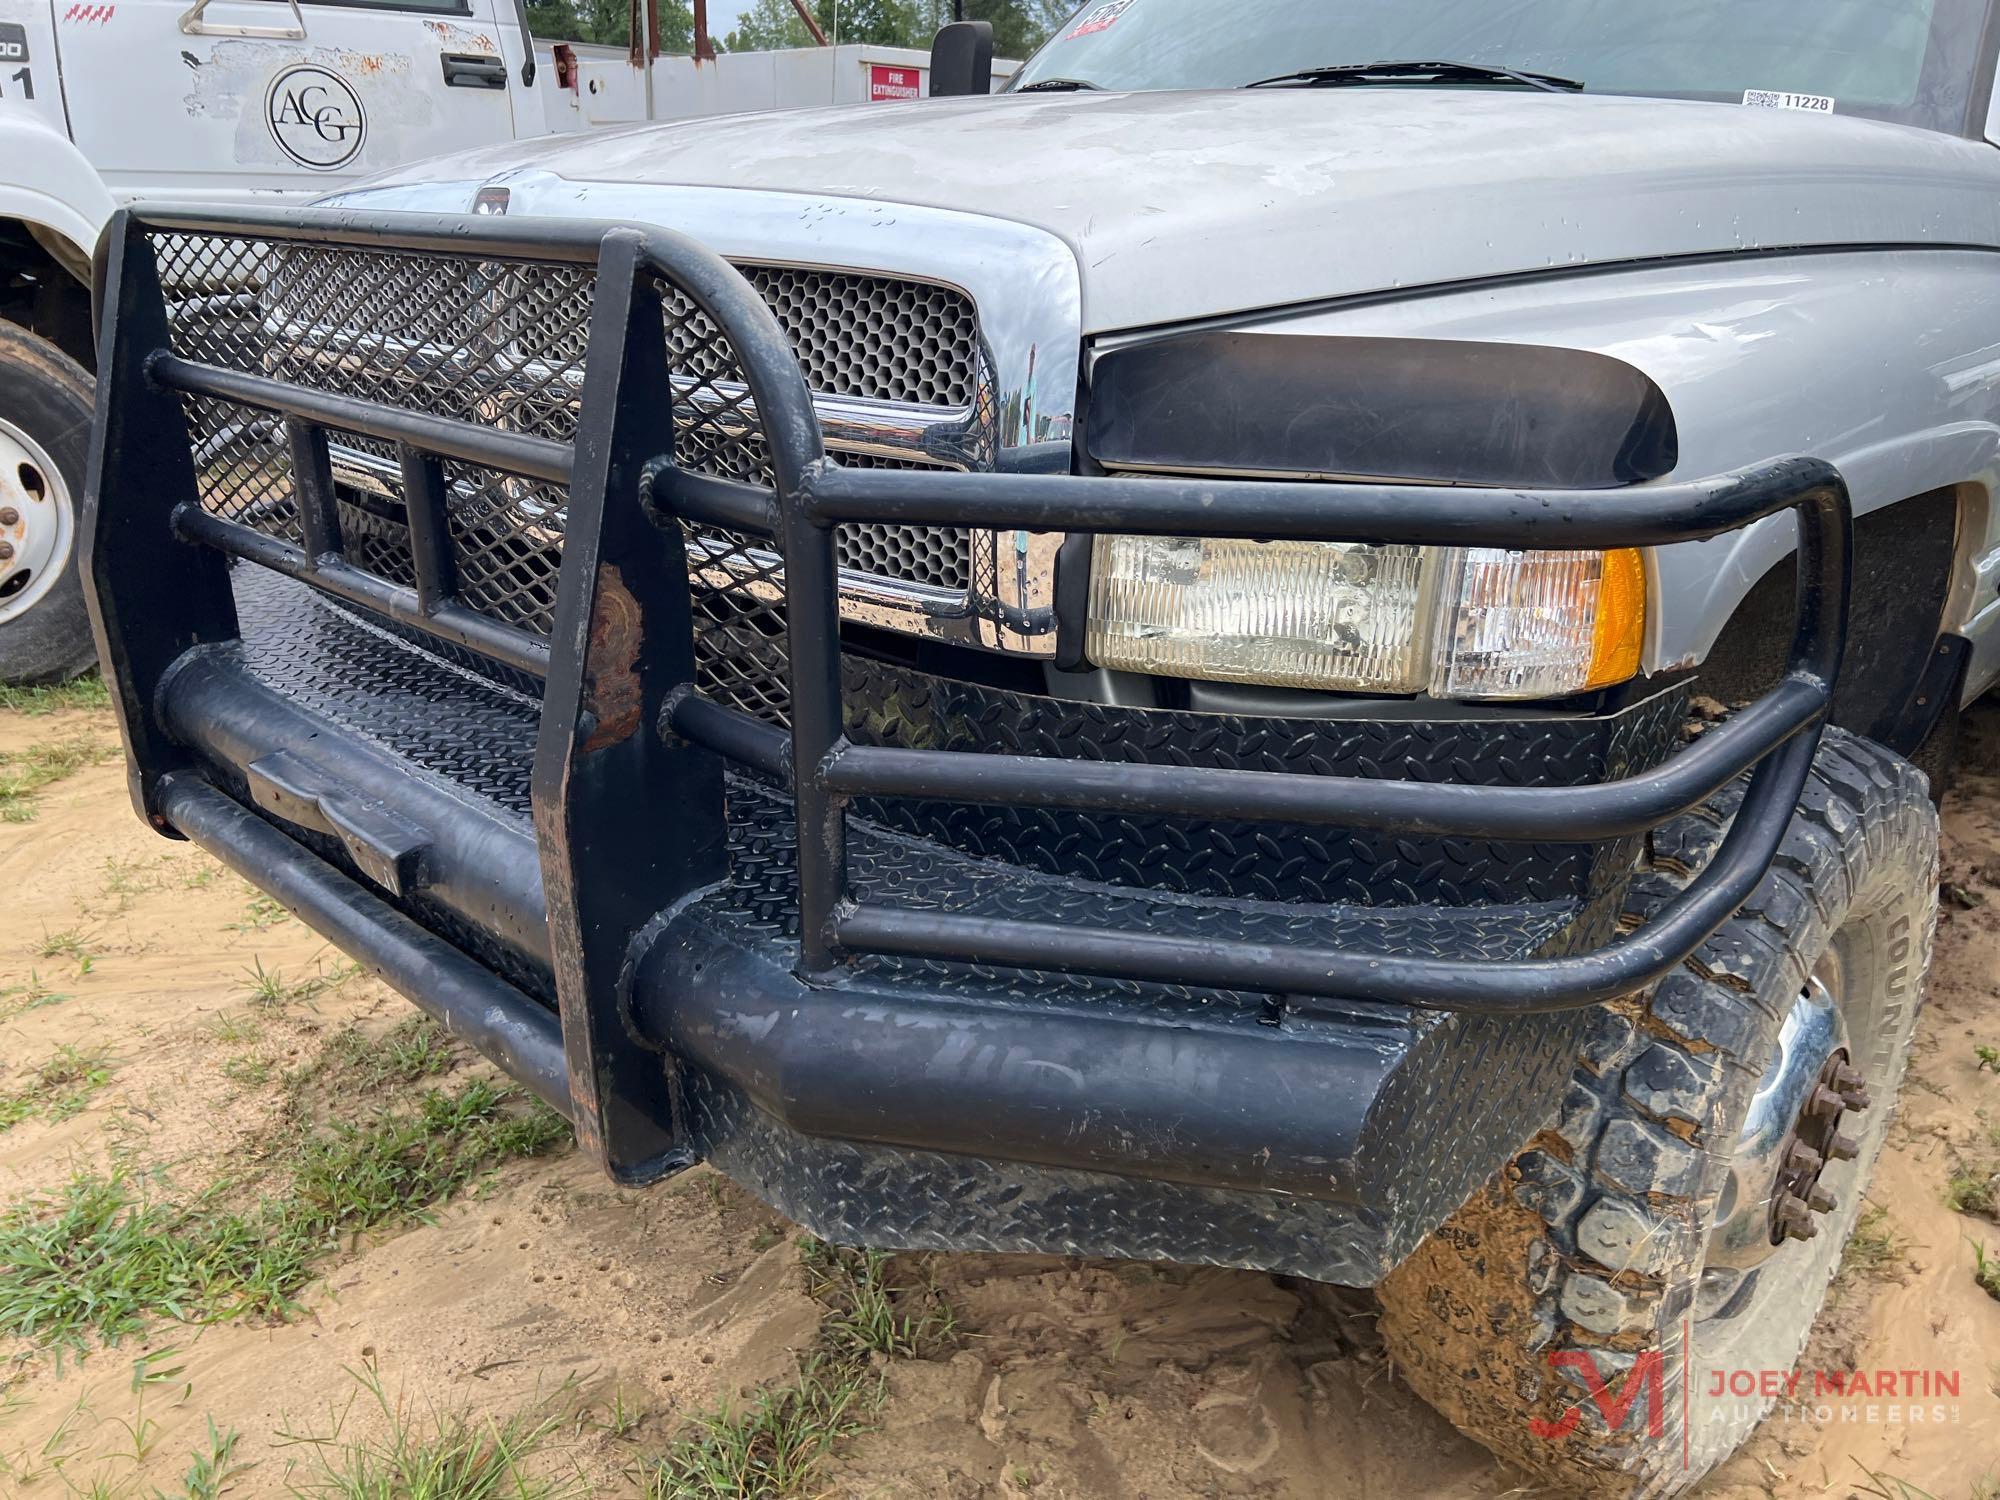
(45, 405)
(1575, 1277)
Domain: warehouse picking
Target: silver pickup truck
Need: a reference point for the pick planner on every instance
(1303, 643)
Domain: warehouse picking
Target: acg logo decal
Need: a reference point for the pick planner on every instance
(315, 117)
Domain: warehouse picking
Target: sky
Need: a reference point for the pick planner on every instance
(724, 14)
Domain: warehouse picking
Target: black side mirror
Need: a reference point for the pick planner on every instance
(962, 59)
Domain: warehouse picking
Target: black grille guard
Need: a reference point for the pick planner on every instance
(623, 728)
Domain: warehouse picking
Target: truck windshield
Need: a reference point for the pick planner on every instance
(1912, 61)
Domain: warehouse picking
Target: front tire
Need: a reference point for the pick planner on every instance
(1549, 1313)
(45, 406)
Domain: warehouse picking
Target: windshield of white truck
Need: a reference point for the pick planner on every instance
(1911, 61)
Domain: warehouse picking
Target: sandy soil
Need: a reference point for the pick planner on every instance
(1071, 1379)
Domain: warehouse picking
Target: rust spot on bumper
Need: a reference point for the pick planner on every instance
(611, 663)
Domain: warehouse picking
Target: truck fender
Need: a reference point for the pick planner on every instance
(1880, 362)
(50, 186)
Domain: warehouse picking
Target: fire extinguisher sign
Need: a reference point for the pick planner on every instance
(887, 82)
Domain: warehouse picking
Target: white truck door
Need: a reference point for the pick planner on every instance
(169, 98)
(28, 79)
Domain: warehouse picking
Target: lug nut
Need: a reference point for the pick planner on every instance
(1794, 1219)
(1802, 1158)
(1821, 1201)
(1825, 1101)
(6, 551)
(9, 516)
(1843, 1148)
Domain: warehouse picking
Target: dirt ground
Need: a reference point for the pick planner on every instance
(544, 1288)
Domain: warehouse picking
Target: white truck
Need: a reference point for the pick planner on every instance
(250, 101)
(246, 100)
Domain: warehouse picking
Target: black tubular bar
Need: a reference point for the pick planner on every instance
(495, 1018)
(1492, 987)
(312, 487)
(1779, 735)
(425, 498)
(1589, 813)
(545, 241)
(733, 736)
(518, 453)
(1652, 515)
(447, 620)
(695, 496)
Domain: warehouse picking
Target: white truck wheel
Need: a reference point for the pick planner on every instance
(45, 403)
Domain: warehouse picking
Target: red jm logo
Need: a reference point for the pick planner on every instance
(1648, 1374)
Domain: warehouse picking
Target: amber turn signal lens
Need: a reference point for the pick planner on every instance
(1620, 632)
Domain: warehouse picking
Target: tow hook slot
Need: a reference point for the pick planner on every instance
(386, 848)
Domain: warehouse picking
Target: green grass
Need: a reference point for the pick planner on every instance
(436, 1454)
(1972, 1193)
(67, 944)
(868, 1314)
(19, 999)
(211, 1471)
(101, 1257)
(259, 912)
(126, 878)
(23, 773)
(772, 1445)
(1989, 1059)
(414, 1050)
(1874, 1249)
(231, 1027)
(58, 1090)
(1986, 1272)
(1882, 1486)
(84, 693)
(247, 1072)
(270, 989)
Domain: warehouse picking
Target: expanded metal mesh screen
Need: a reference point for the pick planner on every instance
(504, 344)
(920, 344)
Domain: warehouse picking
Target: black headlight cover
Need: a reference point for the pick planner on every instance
(1422, 410)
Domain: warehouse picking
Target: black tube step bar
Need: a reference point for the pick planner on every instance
(523, 1038)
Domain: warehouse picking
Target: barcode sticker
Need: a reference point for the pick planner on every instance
(1818, 104)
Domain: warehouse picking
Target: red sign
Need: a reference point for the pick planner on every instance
(885, 82)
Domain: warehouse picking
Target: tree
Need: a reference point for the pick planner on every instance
(772, 24)
(1019, 26)
(609, 22)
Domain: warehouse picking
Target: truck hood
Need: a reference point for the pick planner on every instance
(1182, 206)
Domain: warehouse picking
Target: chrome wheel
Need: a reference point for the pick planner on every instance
(37, 522)
(1774, 1195)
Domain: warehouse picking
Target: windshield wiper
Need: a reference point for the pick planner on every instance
(1055, 85)
(1426, 72)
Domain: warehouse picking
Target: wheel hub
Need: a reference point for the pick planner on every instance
(1773, 1193)
(1815, 1140)
(37, 523)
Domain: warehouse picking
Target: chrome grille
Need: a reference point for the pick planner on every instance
(872, 337)
(921, 337)
(503, 344)
(937, 556)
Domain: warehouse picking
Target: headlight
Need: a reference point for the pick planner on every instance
(1347, 617)
(1299, 614)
